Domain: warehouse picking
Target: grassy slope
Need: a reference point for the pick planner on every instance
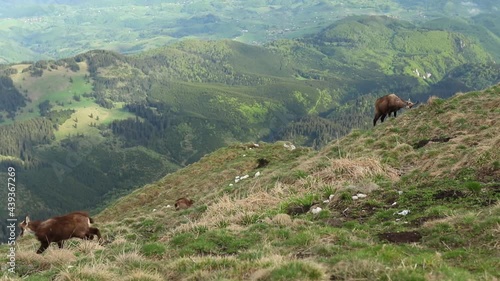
(55, 86)
(243, 232)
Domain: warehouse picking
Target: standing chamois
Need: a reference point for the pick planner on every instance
(58, 229)
(388, 104)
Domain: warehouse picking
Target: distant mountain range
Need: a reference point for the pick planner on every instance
(53, 29)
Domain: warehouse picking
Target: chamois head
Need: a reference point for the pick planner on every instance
(25, 227)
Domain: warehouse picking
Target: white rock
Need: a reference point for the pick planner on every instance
(244, 177)
(361, 195)
(404, 212)
(257, 174)
(244, 155)
(168, 206)
(154, 210)
(355, 197)
(326, 201)
(230, 184)
(400, 192)
(316, 210)
(236, 180)
(330, 197)
(394, 204)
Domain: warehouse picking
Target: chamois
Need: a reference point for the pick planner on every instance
(388, 104)
(183, 203)
(58, 229)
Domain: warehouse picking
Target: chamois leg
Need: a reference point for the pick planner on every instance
(95, 231)
(395, 113)
(43, 247)
(382, 118)
(377, 116)
(60, 244)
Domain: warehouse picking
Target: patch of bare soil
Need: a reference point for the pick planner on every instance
(448, 195)
(297, 210)
(420, 221)
(488, 174)
(401, 237)
(424, 142)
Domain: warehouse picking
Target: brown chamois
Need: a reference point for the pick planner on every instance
(58, 229)
(388, 104)
(183, 203)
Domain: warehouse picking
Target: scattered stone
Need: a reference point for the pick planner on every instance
(289, 146)
(316, 210)
(404, 212)
(361, 195)
(355, 197)
(256, 174)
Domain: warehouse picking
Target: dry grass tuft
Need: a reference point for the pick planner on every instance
(358, 270)
(282, 220)
(119, 240)
(97, 271)
(51, 257)
(355, 170)
(431, 100)
(232, 210)
(139, 275)
(89, 246)
(125, 259)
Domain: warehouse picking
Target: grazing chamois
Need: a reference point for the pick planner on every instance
(58, 229)
(183, 203)
(388, 104)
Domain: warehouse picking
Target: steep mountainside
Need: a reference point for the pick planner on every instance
(415, 198)
(107, 116)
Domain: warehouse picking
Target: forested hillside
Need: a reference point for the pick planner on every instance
(99, 124)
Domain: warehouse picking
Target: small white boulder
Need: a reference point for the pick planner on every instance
(316, 210)
(404, 212)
